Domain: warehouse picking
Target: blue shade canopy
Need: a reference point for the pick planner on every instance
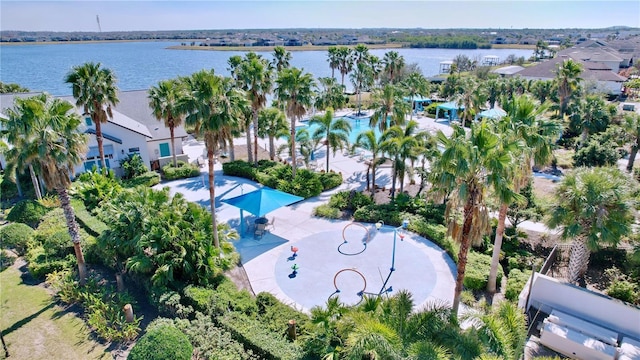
(262, 201)
(495, 113)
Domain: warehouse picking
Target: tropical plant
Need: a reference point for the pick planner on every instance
(212, 107)
(94, 88)
(334, 131)
(372, 143)
(11, 88)
(132, 166)
(56, 148)
(345, 62)
(295, 89)
(330, 95)
(281, 58)
(567, 82)
(593, 207)
(593, 115)
(393, 64)
(165, 100)
(361, 79)
(333, 59)
(468, 168)
(272, 123)
(631, 125)
(401, 144)
(390, 107)
(415, 85)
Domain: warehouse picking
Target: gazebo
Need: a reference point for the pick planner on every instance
(419, 102)
(495, 113)
(452, 108)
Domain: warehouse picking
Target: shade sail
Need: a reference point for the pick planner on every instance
(262, 201)
(495, 113)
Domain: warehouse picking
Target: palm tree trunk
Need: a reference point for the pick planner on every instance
(18, 185)
(100, 139)
(212, 198)
(249, 145)
(36, 184)
(272, 148)
(173, 146)
(232, 149)
(497, 245)
(373, 173)
(465, 243)
(393, 179)
(255, 136)
(368, 182)
(579, 259)
(72, 227)
(411, 114)
(632, 157)
(293, 148)
(327, 154)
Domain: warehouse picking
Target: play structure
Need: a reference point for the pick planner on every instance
(345, 242)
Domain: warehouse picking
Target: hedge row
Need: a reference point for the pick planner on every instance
(516, 281)
(476, 275)
(89, 223)
(184, 170)
(149, 179)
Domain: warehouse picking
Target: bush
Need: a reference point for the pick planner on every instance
(6, 260)
(516, 281)
(273, 314)
(200, 298)
(28, 212)
(330, 180)
(133, 166)
(229, 298)
(15, 236)
(147, 179)
(162, 343)
(95, 186)
(239, 168)
(89, 223)
(477, 271)
(596, 153)
(623, 290)
(326, 211)
(306, 184)
(184, 170)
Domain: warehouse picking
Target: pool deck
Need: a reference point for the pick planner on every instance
(419, 266)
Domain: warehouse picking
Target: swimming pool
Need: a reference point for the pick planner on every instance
(358, 126)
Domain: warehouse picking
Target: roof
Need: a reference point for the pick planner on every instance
(135, 104)
(508, 70)
(547, 70)
(452, 105)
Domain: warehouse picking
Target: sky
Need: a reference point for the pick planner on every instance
(147, 15)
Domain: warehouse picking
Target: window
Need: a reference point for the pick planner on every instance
(87, 120)
(134, 150)
(164, 150)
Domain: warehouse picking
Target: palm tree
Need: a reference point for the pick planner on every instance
(330, 95)
(542, 90)
(256, 79)
(361, 79)
(165, 100)
(335, 132)
(213, 104)
(568, 80)
(593, 206)
(281, 58)
(360, 54)
(333, 59)
(533, 136)
(368, 141)
(593, 116)
(415, 85)
(393, 64)
(294, 88)
(56, 147)
(391, 109)
(631, 125)
(376, 68)
(272, 123)
(400, 143)
(18, 129)
(468, 167)
(345, 61)
(94, 88)
(234, 63)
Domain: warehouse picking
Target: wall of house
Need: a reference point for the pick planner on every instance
(153, 147)
(548, 293)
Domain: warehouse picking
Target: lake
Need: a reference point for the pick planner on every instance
(139, 65)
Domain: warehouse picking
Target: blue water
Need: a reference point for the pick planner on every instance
(139, 65)
(357, 126)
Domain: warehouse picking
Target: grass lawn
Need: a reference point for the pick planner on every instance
(34, 327)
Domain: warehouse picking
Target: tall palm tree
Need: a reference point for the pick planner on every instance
(94, 88)
(415, 85)
(333, 59)
(56, 147)
(593, 207)
(542, 90)
(345, 61)
(256, 79)
(294, 89)
(533, 136)
(368, 141)
(18, 129)
(360, 54)
(361, 79)
(390, 107)
(376, 69)
(272, 123)
(393, 64)
(567, 81)
(165, 100)
(469, 167)
(631, 125)
(399, 143)
(281, 58)
(234, 63)
(212, 106)
(331, 94)
(593, 116)
(335, 132)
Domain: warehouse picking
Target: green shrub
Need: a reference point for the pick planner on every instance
(40, 265)
(184, 170)
(162, 343)
(94, 187)
(515, 282)
(28, 212)
(623, 290)
(229, 298)
(200, 298)
(6, 260)
(326, 211)
(330, 180)
(349, 200)
(437, 234)
(15, 236)
(596, 153)
(306, 184)
(168, 303)
(273, 314)
(89, 223)
(133, 166)
(477, 271)
(239, 168)
(147, 179)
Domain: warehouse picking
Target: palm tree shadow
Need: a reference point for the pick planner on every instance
(18, 324)
(249, 247)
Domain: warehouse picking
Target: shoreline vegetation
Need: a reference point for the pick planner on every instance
(248, 48)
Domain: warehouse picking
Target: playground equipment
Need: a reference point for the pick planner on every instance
(379, 225)
(344, 238)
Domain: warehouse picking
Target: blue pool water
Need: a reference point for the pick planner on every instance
(357, 126)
